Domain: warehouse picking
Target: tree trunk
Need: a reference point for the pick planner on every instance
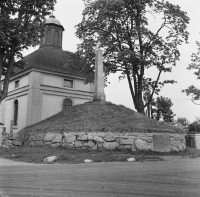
(131, 88)
(140, 103)
(6, 80)
(136, 97)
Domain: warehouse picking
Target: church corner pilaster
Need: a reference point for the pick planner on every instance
(34, 108)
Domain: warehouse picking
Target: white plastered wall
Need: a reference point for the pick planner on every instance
(22, 112)
(197, 141)
(6, 106)
(52, 99)
(57, 81)
(23, 81)
(2, 112)
(52, 80)
(52, 104)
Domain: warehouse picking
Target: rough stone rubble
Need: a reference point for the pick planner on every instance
(95, 140)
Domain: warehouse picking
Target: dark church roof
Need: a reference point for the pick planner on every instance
(51, 59)
(50, 55)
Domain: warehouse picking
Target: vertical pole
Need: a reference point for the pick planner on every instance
(11, 127)
(1, 136)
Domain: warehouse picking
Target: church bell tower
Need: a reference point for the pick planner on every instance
(53, 33)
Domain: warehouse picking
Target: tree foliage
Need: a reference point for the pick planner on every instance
(195, 65)
(184, 121)
(121, 28)
(162, 110)
(194, 126)
(21, 26)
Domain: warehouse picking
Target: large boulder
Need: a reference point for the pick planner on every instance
(69, 138)
(78, 144)
(17, 142)
(110, 145)
(89, 144)
(39, 137)
(82, 137)
(49, 136)
(142, 145)
(91, 135)
(126, 141)
(98, 139)
(39, 143)
(68, 145)
(55, 145)
(177, 144)
(14, 136)
(109, 137)
(7, 143)
(57, 138)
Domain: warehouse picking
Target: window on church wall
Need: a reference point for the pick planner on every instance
(15, 118)
(67, 103)
(68, 83)
(17, 84)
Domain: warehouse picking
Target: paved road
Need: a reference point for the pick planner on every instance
(178, 177)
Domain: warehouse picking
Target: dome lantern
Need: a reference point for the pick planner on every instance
(53, 33)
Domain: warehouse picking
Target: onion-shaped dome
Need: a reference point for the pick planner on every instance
(53, 21)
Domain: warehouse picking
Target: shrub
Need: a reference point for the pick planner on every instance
(194, 126)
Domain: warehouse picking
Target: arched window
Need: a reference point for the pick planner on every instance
(56, 38)
(48, 33)
(67, 103)
(16, 104)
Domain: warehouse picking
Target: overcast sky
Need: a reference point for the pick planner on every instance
(69, 13)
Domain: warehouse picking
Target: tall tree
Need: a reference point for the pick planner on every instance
(121, 28)
(184, 121)
(195, 65)
(194, 126)
(21, 26)
(163, 109)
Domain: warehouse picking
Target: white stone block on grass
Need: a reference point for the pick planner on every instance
(131, 159)
(88, 161)
(50, 159)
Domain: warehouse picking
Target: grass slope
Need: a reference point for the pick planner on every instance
(64, 155)
(99, 117)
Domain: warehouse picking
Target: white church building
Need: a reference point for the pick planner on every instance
(46, 85)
